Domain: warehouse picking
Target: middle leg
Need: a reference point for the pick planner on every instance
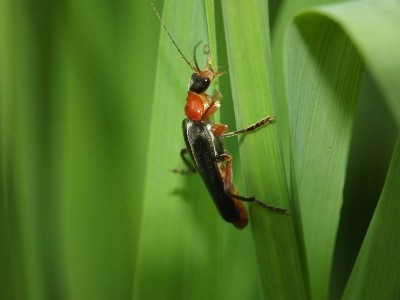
(191, 169)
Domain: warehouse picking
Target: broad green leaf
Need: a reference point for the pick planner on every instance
(278, 238)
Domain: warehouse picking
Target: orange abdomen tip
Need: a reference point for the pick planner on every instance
(244, 219)
(194, 108)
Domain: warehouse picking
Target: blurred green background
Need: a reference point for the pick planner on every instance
(77, 82)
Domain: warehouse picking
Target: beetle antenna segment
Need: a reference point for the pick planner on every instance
(172, 39)
(194, 55)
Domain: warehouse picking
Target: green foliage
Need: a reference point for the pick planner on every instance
(91, 103)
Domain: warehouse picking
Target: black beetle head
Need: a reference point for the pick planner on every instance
(199, 84)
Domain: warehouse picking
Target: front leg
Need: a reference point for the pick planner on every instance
(253, 127)
(212, 104)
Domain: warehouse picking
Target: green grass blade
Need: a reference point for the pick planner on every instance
(377, 270)
(379, 46)
(365, 176)
(321, 99)
(323, 73)
(166, 216)
(212, 41)
(373, 34)
(287, 9)
(12, 279)
(186, 250)
(279, 249)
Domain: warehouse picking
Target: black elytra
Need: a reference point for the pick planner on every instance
(204, 149)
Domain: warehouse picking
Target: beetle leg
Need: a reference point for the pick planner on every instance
(217, 96)
(211, 104)
(211, 110)
(190, 168)
(253, 127)
(226, 171)
(219, 129)
(274, 208)
(231, 190)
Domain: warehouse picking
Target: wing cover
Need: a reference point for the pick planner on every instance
(204, 148)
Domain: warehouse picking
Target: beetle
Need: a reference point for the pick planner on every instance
(204, 145)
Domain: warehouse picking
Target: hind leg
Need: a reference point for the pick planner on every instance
(231, 190)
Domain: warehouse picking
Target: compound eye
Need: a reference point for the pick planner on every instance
(198, 84)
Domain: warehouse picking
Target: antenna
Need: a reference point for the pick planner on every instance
(194, 55)
(196, 69)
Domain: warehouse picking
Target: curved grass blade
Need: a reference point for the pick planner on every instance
(323, 72)
(375, 37)
(377, 270)
(374, 34)
(278, 238)
(324, 45)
